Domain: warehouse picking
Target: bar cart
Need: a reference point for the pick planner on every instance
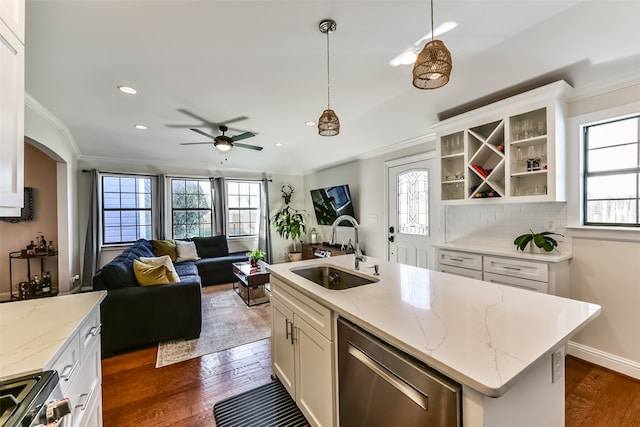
(20, 289)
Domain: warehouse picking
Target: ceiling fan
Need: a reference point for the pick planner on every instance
(224, 142)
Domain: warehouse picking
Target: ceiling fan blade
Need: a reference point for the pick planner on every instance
(195, 116)
(243, 136)
(196, 143)
(250, 147)
(235, 119)
(202, 133)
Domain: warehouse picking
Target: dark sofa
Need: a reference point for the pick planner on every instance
(135, 316)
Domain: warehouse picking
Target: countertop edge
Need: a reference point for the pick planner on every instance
(487, 250)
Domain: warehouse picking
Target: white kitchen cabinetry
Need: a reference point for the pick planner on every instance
(303, 352)
(11, 107)
(80, 371)
(509, 151)
(540, 275)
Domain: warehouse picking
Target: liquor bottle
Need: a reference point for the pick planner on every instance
(42, 244)
(31, 248)
(46, 284)
(36, 288)
(50, 248)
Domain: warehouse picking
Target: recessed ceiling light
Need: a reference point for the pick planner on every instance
(310, 123)
(411, 53)
(279, 144)
(127, 89)
(142, 127)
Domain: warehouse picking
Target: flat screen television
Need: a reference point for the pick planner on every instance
(331, 202)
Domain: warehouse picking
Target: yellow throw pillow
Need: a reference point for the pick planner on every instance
(163, 260)
(165, 247)
(150, 275)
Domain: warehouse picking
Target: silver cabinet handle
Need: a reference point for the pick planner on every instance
(84, 404)
(95, 330)
(458, 259)
(286, 329)
(70, 368)
(507, 267)
(419, 398)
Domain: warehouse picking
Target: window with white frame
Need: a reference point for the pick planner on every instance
(191, 208)
(612, 173)
(126, 208)
(243, 205)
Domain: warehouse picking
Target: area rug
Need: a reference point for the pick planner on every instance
(227, 322)
(266, 406)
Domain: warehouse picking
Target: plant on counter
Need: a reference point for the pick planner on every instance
(541, 240)
(255, 256)
(290, 224)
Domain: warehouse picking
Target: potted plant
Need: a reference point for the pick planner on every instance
(542, 240)
(255, 256)
(290, 224)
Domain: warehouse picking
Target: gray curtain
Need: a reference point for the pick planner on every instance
(219, 206)
(159, 208)
(91, 260)
(264, 233)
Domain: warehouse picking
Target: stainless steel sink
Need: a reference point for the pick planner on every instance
(333, 278)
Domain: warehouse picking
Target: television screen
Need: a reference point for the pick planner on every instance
(26, 213)
(331, 202)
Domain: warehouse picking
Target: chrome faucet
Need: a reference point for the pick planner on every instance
(358, 254)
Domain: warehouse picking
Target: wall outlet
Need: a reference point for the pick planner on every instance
(550, 224)
(557, 366)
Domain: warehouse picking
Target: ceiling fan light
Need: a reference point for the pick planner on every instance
(223, 145)
(328, 123)
(433, 66)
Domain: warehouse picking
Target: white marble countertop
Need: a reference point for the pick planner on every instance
(34, 332)
(510, 252)
(483, 335)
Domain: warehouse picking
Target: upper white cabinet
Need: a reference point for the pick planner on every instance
(11, 107)
(509, 151)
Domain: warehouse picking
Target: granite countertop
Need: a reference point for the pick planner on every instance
(483, 335)
(34, 332)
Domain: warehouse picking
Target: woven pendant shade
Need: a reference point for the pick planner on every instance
(328, 123)
(433, 66)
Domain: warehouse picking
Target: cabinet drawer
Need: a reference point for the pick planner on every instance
(517, 268)
(459, 271)
(90, 331)
(460, 259)
(86, 385)
(532, 285)
(68, 363)
(318, 316)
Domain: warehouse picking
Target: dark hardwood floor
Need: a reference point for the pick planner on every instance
(135, 393)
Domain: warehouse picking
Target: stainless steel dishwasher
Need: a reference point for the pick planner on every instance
(381, 386)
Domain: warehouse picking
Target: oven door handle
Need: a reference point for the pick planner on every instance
(397, 382)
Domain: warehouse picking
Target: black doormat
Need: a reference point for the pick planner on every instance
(266, 406)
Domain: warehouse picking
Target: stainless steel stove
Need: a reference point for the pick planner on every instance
(34, 400)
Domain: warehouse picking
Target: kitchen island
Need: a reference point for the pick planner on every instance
(497, 341)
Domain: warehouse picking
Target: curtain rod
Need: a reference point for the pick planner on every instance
(169, 176)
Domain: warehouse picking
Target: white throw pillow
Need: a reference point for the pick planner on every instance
(163, 260)
(186, 251)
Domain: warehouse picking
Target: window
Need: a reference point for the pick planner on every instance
(243, 204)
(191, 208)
(413, 202)
(612, 173)
(126, 208)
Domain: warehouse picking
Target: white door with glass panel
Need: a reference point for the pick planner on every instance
(410, 189)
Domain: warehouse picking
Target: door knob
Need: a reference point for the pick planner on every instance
(391, 229)
(392, 238)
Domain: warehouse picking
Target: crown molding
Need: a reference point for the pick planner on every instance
(40, 110)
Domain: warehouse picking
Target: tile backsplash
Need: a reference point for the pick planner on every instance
(498, 225)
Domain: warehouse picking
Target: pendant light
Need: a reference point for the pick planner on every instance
(433, 65)
(328, 123)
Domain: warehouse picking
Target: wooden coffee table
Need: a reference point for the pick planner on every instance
(251, 283)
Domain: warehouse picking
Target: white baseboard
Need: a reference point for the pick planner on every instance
(604, 359)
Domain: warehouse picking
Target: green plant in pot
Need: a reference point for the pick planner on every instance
(542, 240)
(289, 223)
(255, 256)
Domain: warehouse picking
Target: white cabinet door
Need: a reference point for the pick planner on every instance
(530, 285)
(314, 364)
(459, 271)
(12, 119)
(282, 348)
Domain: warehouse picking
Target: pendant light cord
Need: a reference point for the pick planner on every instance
(432, 20)
(328, 75)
